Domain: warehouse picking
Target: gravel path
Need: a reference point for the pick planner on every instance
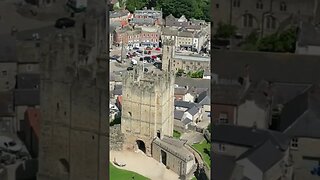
(142, 164)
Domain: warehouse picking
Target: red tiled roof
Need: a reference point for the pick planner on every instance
(33, 116)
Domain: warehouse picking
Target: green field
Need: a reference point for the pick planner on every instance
(119, 174)
(194, 178)
(204, 149)
(176, 134)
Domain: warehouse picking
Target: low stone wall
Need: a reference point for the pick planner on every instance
(116, 138)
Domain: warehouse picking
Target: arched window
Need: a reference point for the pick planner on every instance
(259, 5)
(247, 20)
(236, 3)
(283, 6)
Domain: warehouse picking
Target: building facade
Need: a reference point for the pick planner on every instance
(264, 16)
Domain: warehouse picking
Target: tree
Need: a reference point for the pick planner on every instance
(136, 4)
(225, 30)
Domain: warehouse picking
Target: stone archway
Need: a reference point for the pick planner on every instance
(141, 145)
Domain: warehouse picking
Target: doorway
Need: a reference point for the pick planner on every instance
(141, 146)
(163, 157)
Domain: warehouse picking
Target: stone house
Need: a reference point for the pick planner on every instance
(266, 16)
(305, 137)
(190, 62)
(119, 16)
(247, 149)
(149, 14)
(138, 36)
(183, 22)
(179, 93)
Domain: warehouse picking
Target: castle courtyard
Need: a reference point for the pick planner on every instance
(140, 163)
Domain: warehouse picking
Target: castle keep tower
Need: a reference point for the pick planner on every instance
(73, 101)
(147, 108)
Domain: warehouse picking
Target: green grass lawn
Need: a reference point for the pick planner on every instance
(194, 178)
(204, 149)
(176, 134)
(119, 174)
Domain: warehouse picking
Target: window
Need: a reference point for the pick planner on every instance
(283, 6)
(217, 6)
(248, 20)
(236, 3)
(294, 143)
(223, 118)
(259, 5)
(222, 148)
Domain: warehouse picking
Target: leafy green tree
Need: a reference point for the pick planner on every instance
(138, 4)
(225, 30)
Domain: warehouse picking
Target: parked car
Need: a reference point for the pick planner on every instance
(148, 48)
(141, 59)
(65, 23)
(135, 48)
(147, 58)
(158, 49)
(8, 144)
(154, 57)
(129, 68)
(146, 69)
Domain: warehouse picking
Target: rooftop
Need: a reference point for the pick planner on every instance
(275, 67)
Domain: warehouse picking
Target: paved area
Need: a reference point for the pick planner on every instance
(205, 121)
(9, 17)
(142, 164)
(192, 137)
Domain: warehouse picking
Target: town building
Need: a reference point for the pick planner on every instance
(244, 150)
(183, 22)
(265, 17)
(147, 17)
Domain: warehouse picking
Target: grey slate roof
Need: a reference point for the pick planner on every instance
(193, 111)
(192, 82)
(307, 125)
(8, 49)
(147, 21)
(27, 97)
(178, 114)
(180, 91)
(117, 92)
(285, 92)
(247, 136)
(264, 156)
(6, 103)
(223, 166)
(184, 104)
(186, 121)
(204, 98)
(115, 14)
(275, 67)
(28, 81)
(226, 94)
